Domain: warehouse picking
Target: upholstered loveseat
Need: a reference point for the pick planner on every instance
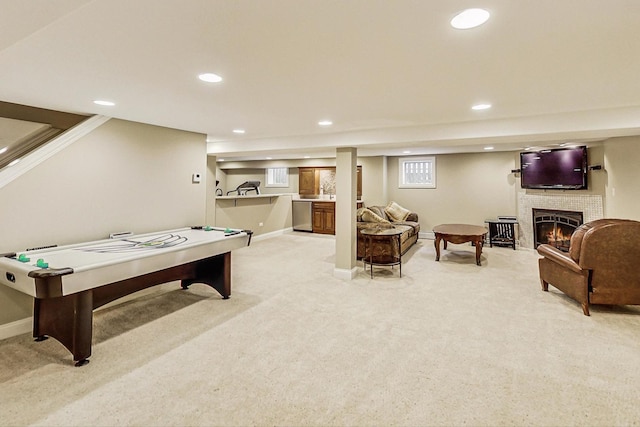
(392, 215)
(601, 267)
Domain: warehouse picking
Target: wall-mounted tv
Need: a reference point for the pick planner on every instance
(557, 169)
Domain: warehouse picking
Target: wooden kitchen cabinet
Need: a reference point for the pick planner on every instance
(309, 180)
(324, 217)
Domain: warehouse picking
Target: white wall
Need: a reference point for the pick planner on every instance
(123, 176)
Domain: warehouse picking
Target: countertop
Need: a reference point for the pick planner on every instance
(248, 196)
(322, 198)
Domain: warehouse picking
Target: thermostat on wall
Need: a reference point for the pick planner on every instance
(195, 178)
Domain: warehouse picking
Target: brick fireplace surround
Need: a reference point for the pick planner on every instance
(589, 205)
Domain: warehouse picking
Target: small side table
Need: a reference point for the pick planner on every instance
(388, 234)
(502, 232)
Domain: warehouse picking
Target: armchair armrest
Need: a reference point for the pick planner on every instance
(559, 257)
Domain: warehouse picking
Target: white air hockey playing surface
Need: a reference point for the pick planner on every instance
(69, 282)
(110, 260)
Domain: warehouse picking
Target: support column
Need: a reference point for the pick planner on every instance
(345, 216)
(210, 182)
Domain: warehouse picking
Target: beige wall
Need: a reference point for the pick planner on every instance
(212, 175)
(621, 177)
(469, 189)
(482, 180)
(261, 215)
(473, 187)
(374, 180)
(235, 177)
(123, 176)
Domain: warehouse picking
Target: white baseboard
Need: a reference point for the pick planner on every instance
(344, 273)
(18, 327)
(427, 235)
(271, 234)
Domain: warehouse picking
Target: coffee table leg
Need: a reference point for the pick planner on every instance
(437, 245)
(478, 251)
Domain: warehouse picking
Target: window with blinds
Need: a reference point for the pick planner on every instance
(277, 177)
(417, 172)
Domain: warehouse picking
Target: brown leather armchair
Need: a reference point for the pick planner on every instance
(602, 266)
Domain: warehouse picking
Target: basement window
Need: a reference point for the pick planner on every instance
(417, 172)
(277, 177)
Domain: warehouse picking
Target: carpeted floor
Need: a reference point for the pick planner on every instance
(450, 343)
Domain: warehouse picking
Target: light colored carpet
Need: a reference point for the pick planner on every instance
(450, 343)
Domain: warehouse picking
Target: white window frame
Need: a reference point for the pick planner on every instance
(428, 181)
(269, 175)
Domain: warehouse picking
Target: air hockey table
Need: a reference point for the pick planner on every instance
(69, 282)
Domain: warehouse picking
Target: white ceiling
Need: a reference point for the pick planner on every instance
(392, 75)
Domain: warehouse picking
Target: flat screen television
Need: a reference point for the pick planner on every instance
(557, 169)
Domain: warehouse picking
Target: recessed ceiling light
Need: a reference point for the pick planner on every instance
(103, 102)
(240, 131)
(481, 107)
(325, 122)
(488, 148)
(469, 18)
(307, 157)
(2, 150)
(269, 158)
(14, 162)
(210, 78)
(406, 152)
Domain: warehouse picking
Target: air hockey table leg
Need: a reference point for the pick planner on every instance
(68, 319)
(215, 272)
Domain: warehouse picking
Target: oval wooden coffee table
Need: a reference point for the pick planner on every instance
(459, 233)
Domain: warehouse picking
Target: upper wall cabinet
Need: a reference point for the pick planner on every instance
(312, 180)
(307, 181)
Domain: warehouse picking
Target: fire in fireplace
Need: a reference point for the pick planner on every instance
(555, 227)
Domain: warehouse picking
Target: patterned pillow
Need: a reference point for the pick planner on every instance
(369, 216)
(396, 212)
(359, 213)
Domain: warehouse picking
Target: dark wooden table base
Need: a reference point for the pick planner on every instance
(69, 318)
(459, 233)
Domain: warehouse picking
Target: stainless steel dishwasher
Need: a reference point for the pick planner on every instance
(301, 215)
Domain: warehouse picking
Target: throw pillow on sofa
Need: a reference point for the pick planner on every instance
(370, 216)
(396, 212)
